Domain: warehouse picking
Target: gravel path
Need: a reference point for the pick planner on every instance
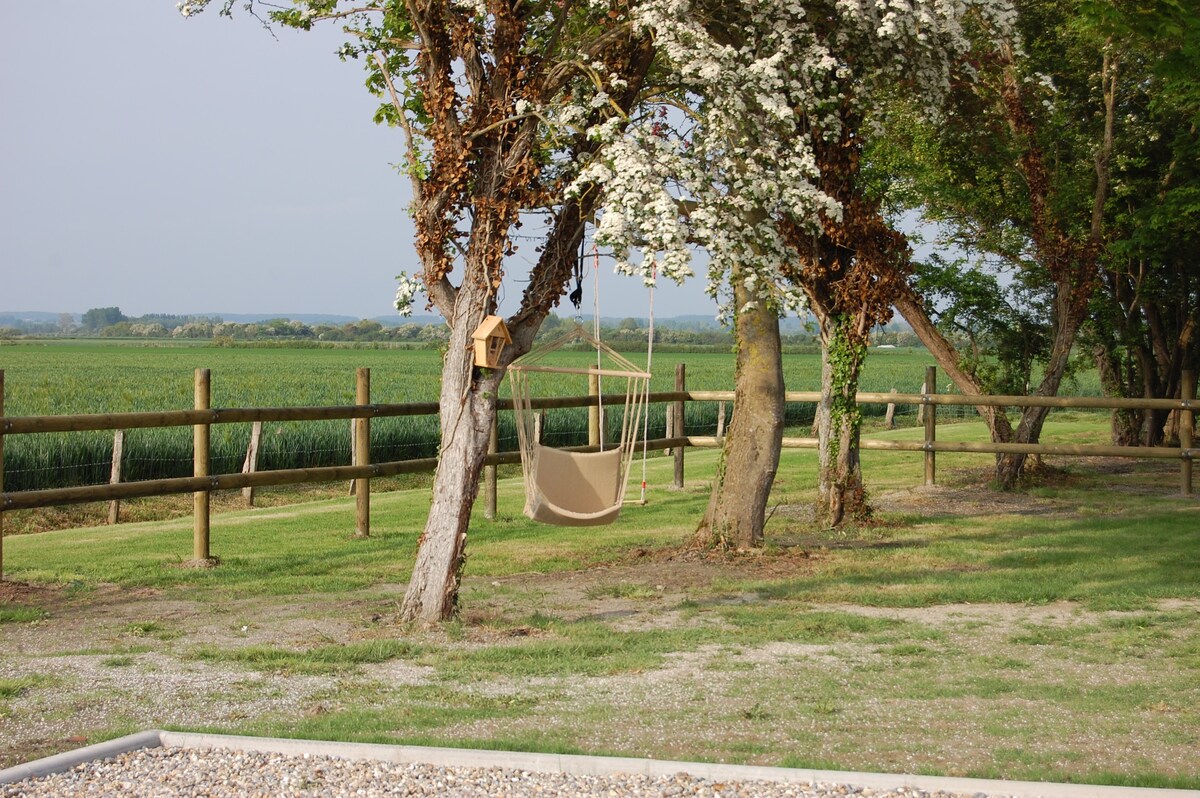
(163, 772)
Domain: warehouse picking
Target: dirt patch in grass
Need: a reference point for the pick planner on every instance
(935, 501)
(26, 594)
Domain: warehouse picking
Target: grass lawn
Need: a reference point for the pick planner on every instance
(1051, 633)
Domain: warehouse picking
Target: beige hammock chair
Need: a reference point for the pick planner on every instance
(584, 486)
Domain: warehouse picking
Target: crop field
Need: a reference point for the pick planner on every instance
(60, 378)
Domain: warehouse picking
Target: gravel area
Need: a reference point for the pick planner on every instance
(153, 689)
(166, 771)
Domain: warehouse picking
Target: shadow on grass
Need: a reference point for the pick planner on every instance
(1113, 563)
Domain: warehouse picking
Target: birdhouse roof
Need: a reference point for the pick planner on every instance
(492, 326)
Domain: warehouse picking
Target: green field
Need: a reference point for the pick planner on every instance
(57, 378)
(49, 377)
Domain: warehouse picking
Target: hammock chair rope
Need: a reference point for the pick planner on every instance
(576, 487)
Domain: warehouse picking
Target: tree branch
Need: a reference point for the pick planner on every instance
(349, 12)
(1108, 84)
(410, 155)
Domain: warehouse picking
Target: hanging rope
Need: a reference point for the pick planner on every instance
(596, 335)
(649, 370)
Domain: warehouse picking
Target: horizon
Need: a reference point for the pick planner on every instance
(787, 324)
(34, 316)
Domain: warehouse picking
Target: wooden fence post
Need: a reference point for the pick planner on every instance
(114, 477)
(1, 474)
(200, 468)
(1187, 423)
(679, 431)
(594, 410)
(720, 420)
(353, 453)
(889, 418)
(489, 471)
(539, 423)
(362, 455)
(250, 465)
(930, 426)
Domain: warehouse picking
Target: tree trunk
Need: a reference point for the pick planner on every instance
(481, 173)
(1068, 317)
(913, 311)
(467, 406)
(1126, 423)
(840, 491)
(741, 488)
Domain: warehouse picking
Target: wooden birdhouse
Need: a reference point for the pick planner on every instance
(490, 338)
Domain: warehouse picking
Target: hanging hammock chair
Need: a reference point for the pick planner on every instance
(582, 486)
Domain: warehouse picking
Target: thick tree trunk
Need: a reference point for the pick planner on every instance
(1126, 423)
(467, 406)
(1068, 318)
(737, 507)
(841, 495)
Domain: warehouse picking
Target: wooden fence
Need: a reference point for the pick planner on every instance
(362, 471)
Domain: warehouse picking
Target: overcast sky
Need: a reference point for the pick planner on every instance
(201, 166)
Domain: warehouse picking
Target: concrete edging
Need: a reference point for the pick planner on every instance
(58, 763)
(572, 764)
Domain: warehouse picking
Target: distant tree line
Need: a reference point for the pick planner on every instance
(626, 334)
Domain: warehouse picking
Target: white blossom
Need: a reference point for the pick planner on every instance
(191, 7)
(743, 158)
(477, 7)
(406, 290)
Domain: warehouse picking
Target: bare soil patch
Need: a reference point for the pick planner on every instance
(26, 594)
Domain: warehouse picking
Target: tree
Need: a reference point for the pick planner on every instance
(1145, 315)
(121, 329)
(97, 319)
(683, 175)
(762, 167)
(499, 103)
(850, 269)
(1020, 178)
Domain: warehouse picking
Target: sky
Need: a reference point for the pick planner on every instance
(171, 165)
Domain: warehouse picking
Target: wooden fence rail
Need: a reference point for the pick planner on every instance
(202, 483)
(18, 425)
